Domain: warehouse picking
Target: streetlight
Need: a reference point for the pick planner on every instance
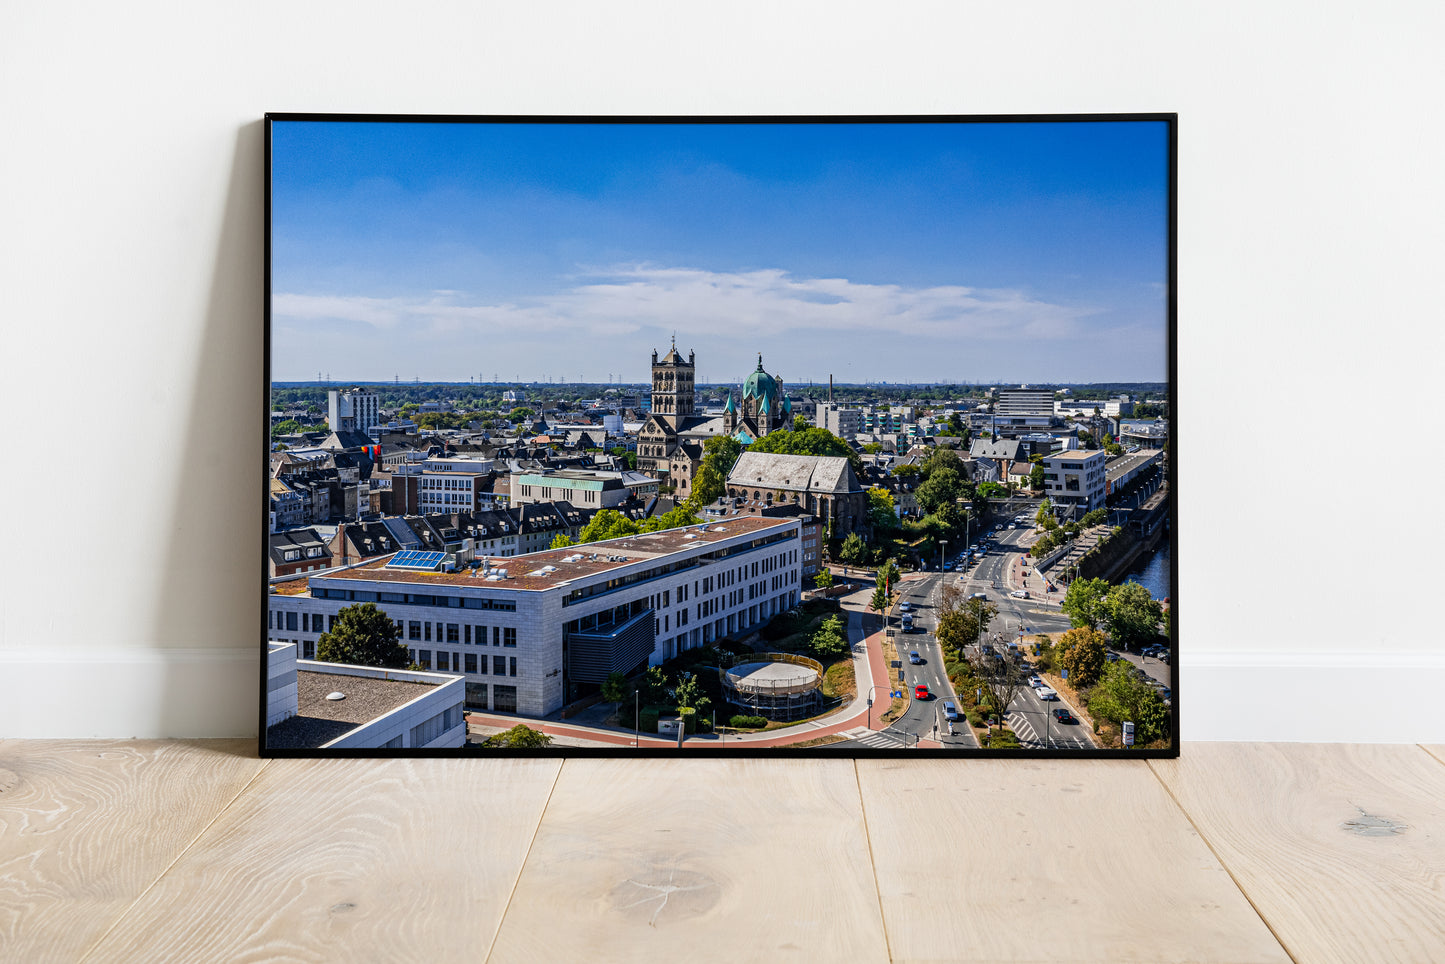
(875, 686)
(942, 544)
(636, 718)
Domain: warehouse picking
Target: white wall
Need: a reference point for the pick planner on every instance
(130, 265)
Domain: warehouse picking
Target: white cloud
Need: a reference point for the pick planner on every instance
(625, 299)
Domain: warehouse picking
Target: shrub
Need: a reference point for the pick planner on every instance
(975, 718)
(689, 718)
(747, 722)
(647, 721)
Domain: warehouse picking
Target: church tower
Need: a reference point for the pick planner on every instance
(673, 393)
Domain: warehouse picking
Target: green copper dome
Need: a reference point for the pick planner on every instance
(760, 384)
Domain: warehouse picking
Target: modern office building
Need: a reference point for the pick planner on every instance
(1075, 481)
(352, 410)
(1024, 401)
(535, 632)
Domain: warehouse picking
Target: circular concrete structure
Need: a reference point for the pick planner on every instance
(774, 678)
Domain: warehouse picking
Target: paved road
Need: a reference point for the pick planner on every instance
(924, 718)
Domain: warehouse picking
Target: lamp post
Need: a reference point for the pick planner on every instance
(875, 686)
(942, 545)
(636, 718)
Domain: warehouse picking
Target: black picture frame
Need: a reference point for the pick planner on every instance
(316, 733)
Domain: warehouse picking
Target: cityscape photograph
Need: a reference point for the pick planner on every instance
(620, 436)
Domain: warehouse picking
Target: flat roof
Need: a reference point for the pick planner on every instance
(1077, 455)
(319, 721)
(531, 571)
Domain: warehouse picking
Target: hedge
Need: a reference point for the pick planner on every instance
(747, 722)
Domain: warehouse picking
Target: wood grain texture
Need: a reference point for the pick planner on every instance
(698, 860)
(347, 860)
(1341, 847)
(87, 826)
(1059, 861)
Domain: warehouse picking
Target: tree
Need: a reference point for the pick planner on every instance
(944, 487)
(907, 472)
(879, 602)
(1095, 517)
(363, 636)
(977, 614)
(1084, 603)
(880, 509)
(720, 452)
(1081, 652)
(683, 514)
(614, 690)
(1120, 696)
(808, 441)
(520, 414)
(853, 551)
(824, 579)
(829, 642)
(888, 576)
(608, 524)
(560, 541)
(654, 686)
(1045, 514)
(1036, 477)
(688, 694)
(708, 486)
(799, 423)
(1132, 615)
(519, 737)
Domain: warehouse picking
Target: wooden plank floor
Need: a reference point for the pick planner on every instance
(87, 827)
(188, 851)
(1340, 847)
(1058, 860)
(675, 860)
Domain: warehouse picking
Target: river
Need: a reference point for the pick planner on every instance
(1152, 572)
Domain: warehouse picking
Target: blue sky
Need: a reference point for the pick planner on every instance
(903, 252)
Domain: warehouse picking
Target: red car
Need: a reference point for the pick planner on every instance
(920, 692)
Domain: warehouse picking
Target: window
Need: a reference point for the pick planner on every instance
(512, 666)
(291, 621)
(496, 635)
(308, 650)
(443, 660)
(466, 634)
(471, 662)
(509, 637)
(426, 631)
(504, 699)
(452, 636)
(424, 658)
(413, 630)
(499, 666)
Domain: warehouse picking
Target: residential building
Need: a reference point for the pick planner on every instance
(297, 550)
(842, 422)
(549, 627)
(586, 489)
(352, 410)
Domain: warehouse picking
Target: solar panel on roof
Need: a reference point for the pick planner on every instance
(416, 559)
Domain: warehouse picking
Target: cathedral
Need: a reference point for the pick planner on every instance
(670, 444)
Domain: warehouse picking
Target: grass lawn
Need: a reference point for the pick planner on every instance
(838, 679)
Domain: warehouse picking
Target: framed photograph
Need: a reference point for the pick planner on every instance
(624, 435)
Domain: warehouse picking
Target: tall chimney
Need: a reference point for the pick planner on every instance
(830, 388)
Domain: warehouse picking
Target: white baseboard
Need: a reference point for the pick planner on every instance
(123, 694)
(1293, 697)
(1279, 696)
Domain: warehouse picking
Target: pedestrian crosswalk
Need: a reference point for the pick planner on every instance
(874, 739)
(1058, 736)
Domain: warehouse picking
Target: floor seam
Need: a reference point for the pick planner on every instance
(507, 907)
(872, 863)
(1223, 864)
(95, 945)
(1431, 754)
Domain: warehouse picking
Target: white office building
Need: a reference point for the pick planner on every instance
(352, 410)
(551, 626)
(1075, 481)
